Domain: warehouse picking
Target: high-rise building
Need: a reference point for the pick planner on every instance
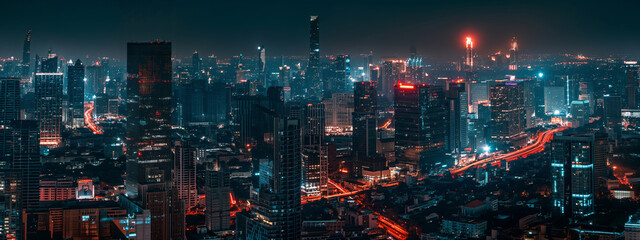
(75, 92)
(470, 54)
(49, 107)
(9, 100)
(513, 55)
(262, 66)
(196, 65)
(95, 80)
(218, 199)
(555, 101)
(49, 64)
(20, 174)
(633, 84)
(338, 111)
(184, 170)
(507, 113)
(314, 82)
(458, 115)
(365, 99)
(572, 173)
(612, 115)
(579, 112)
(421, 125)
(314, 152)
(149, 157)
(285, 81)
(26, 54)
(340, 77)
(276, 211)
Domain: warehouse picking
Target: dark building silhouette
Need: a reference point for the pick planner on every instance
(365, 100)
(314, 82)
(218, 200)
(149, 156)
(26, 54)
(9, 100)
(49, 108)
(75, 92)
(421, 125)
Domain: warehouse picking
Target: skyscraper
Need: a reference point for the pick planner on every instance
(276, 211)
(365, 99)
(75, 92)
(196, 65)
(49, 64)
(218, 193)
(20, 156)
(458, 111)
(26, 54)
(314, 152)
(633, 82)
(421, 125)
(507, 113)
(513, 54)
(9, 100)
(184, 169)
(572, 172)
(612, 115)
(314, 82)
(149, 157)
(261, 67)
(340, 79)
(49, 107)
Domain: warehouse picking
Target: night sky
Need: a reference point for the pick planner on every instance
(388, 28)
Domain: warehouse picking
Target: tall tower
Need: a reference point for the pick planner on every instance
(513, 54)
(458, 111)
(314, 82)
(365, 101)
(507, 113)
(75, 90)
(633, 82)
(218, 198)
(421, 125)
(196, 65)
(185, 174)
(314, 153)
(49, 107)
(469, 57)
(261, 66)
(149, 157)
(26, 54)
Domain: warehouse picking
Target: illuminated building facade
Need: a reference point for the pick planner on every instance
(458, 114)
(184, 171)
(421, 125)
(314, 152)
(49, 108)
(633, 84)
(507, 113)
(218, 201)
(572, 174)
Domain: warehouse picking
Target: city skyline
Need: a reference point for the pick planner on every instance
(436, 29)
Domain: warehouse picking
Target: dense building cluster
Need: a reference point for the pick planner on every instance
(507, 145)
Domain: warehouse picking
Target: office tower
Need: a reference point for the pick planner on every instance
(632, 87)
(458, 115)
(314, 152)
(314, 82)
(572, 172)
(26, 54)
(390, 74)
(49, 107)
(421, 125)
(196, 65)
(374, 74)
(367, 62)
(276, 211)
(149, 157)
(20, 174)
(218, 199)
(470, 53)
(284, 80)
(579, 113)
(95, 80)
(247, 119)
(75, 92)
(340, 81)
(365, 102)
(49, 64)
(513, 55)
(507, 113)
(338, 111)
(9, 100)
(479, 93)
(613, 116)
(554, 100)
(184, 169)
(262, 66)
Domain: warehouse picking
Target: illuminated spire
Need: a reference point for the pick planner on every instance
(469, 60)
